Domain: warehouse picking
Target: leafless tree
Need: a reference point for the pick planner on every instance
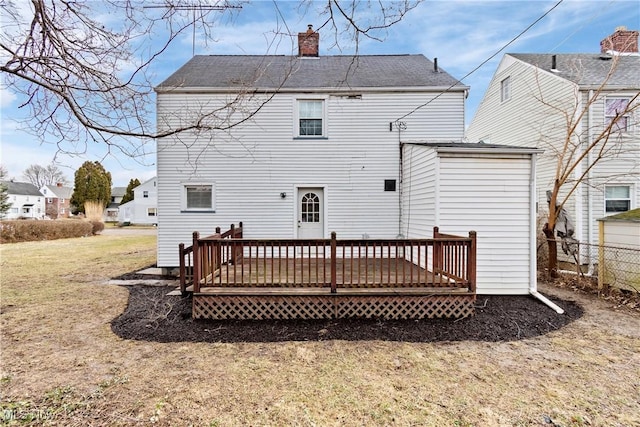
(84, 76)
(45, 175)
(583, 147)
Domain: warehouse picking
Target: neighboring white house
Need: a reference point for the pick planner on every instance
(364, 146)
(57, 200)
(26, 200)
(111, 211)
(524, 106)
(143, 209)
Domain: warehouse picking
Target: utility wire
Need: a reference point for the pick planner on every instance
(483, 62)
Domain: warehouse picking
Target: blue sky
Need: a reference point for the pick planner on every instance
(461, 34)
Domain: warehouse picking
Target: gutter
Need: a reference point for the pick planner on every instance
(546, 301)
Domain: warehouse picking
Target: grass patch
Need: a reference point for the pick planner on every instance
(62, 365)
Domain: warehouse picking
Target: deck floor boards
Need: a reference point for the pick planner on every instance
(316, 273)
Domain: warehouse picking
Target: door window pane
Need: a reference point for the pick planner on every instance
(310, 208)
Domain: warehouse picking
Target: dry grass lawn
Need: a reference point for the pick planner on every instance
(62, 365)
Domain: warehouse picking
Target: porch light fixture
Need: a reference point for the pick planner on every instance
(283, 195)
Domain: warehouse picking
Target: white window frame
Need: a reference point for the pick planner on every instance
(629, 198)
(186, 186)
(152, 212)
(505, 89)
(145, 194)
(609, 117)
(323, 117)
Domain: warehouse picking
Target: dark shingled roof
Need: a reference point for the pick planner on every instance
(588, 69)
(21, 188)
(291, 72)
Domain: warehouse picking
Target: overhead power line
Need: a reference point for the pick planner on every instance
(482, 63)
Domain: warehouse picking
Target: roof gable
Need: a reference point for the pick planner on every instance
(58, 192)
(292, 72)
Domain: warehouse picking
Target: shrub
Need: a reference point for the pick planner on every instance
(98, 226)
(25, 231)
(93, 210)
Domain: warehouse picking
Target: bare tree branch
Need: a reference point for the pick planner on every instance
(84, 67)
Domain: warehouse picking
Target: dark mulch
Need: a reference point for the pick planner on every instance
(151, 315)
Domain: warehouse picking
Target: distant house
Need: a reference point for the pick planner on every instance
(524, 106)
(143, 209)
(26, 201)
(111, 212)
(57, 200)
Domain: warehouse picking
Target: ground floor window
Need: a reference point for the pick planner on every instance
(198, 197)
(617, 198)
(152, 211)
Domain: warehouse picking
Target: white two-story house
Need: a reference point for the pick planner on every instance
(367, 146)
(143, 209)
(26, 201)
(533, 96)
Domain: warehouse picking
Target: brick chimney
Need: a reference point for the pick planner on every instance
(621, 41)
(308, 43)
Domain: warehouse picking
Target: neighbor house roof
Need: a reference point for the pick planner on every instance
(21, 188)
(59, 192)
(118, 191)
(588, 69)
(292, 72)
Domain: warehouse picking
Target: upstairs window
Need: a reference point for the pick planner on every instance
(311, 118)
(616, 107)
(617, 198)
(145, 194)
(505, 89)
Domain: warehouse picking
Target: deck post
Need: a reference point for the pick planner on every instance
(183, 278)
(333, 262)
(471, 262)
(196, 262)
(437, 251)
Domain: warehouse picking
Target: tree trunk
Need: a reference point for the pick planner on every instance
(553, 251)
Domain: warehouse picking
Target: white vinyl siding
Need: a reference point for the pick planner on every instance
(498, 190)
(256, 161)
(487, 193)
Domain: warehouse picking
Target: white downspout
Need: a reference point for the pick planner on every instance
(533, 280)
(589, 191)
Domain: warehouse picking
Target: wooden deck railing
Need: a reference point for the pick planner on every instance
(228, 260)
(196, 262)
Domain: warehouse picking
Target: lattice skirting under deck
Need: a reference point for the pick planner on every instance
(331, 306)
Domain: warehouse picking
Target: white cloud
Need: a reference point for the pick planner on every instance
(6, 98)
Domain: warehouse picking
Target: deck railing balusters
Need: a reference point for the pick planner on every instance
(448, 260)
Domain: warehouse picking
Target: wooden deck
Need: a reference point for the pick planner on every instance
(283, 279)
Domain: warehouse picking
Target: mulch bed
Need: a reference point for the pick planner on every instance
(151, 315)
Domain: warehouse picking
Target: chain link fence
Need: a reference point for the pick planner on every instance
(613, 266)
